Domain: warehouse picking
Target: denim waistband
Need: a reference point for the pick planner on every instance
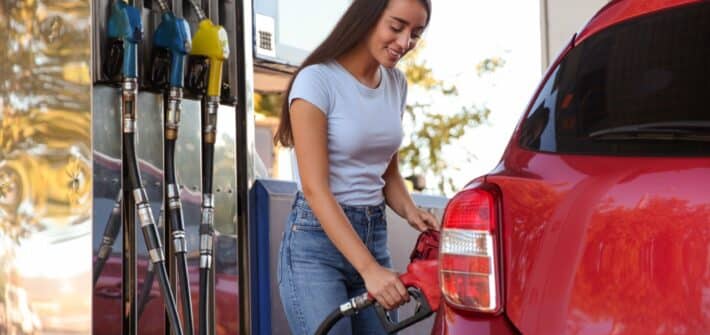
(364, 209)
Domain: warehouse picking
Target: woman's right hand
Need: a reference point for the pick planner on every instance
(384, 285)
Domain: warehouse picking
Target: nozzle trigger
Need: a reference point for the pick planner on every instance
(422, 311)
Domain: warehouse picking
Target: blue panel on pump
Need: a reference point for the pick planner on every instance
(270, 204)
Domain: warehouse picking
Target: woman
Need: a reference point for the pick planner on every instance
(343, 116)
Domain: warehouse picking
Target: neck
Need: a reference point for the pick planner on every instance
(361, 65)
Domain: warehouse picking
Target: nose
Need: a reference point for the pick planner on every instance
(404, 41)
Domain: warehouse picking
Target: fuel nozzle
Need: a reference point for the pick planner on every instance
(210, 41)
(172, 39)
(172, 42)
(125, 31)
(210, 48)
(421, 281)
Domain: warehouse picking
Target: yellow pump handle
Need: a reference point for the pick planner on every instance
(211, 41)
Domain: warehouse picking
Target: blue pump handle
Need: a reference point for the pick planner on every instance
(125, 24)
(173, 34)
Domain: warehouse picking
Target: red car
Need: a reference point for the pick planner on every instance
(597, 218)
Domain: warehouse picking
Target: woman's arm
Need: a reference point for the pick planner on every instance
(401, 202)
(309, 126)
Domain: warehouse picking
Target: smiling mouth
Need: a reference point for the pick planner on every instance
(393, 54)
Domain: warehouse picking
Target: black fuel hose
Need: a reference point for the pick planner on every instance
(207, 166)
(113, 226)
(148, 226)
(175, 218)
(131, 164)
(204, 312)
(206, 235)
(144, 295)
(209, 124)
(330, 321)
(351, 307)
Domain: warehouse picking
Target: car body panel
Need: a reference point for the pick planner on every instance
(606, 244)
(451, 321)
(618, 11)
(598, 244)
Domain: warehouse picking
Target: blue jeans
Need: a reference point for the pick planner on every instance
(315, 278)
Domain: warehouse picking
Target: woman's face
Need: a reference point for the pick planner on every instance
(397, 31)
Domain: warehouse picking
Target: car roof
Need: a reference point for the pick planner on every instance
(617, 11)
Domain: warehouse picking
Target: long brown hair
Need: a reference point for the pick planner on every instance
(353, 26)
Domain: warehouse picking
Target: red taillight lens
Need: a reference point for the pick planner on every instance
(469, 253)
(471, 209)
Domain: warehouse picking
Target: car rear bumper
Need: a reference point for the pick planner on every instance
(450, 321)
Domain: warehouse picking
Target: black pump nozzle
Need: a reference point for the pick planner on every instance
(198, 69)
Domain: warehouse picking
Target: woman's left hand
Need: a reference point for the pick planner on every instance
(421, 220)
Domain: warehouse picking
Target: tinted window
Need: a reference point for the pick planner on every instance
(638, 88)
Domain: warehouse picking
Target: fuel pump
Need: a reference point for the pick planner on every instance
(125, 27)
(209, 41)
(173, 36)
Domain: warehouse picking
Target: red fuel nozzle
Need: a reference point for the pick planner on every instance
(421, 280)
(423, 269)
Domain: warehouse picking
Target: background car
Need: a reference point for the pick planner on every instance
(597, 218)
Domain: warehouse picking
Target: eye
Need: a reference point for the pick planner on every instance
(396, 29)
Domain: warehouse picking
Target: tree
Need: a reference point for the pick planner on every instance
(268, 104)
(431, 131)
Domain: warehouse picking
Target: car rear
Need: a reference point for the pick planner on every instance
(597, 219)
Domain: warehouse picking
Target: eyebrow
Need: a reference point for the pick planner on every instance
(405, 22)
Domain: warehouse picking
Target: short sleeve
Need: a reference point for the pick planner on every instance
(311, 85)
(402, 82)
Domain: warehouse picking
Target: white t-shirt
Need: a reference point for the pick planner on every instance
(364, 127)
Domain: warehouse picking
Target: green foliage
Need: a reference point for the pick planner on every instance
(434, 130)
(268, 104)
(489, 65)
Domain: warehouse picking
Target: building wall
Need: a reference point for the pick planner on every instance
(559, 20)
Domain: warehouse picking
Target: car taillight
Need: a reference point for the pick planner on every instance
(469, 255)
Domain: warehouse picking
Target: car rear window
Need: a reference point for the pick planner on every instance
(638, 88)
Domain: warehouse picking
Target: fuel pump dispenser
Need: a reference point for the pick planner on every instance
(125, 27)
(209, 41)
(173, 36)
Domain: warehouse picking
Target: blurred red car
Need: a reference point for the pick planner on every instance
(597, 218)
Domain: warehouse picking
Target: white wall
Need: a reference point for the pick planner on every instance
(559, 20)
